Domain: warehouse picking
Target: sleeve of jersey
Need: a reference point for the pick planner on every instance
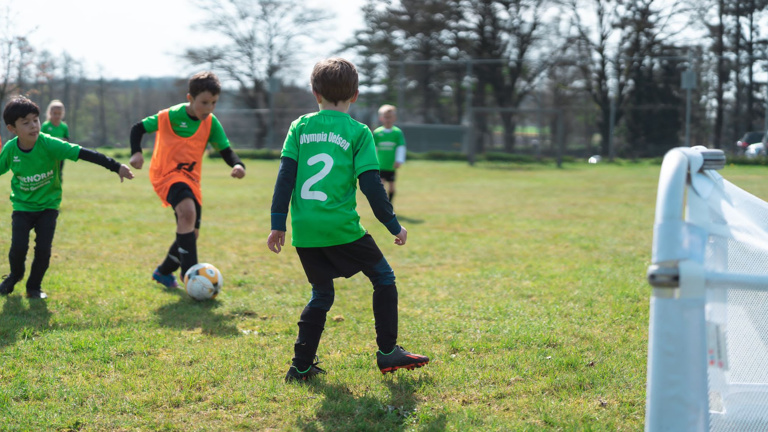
(365, 155)
(371, 187)
(281, 198)
(5, 166)
(62, 150)
(218, 138)
(290, 146)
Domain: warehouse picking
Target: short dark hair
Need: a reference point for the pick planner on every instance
(19, 107)
(335, 79)
(204, 81)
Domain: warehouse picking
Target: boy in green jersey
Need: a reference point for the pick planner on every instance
(324, 156)
(183, 132)
(34, 158)
(390, 147)
(54, 125)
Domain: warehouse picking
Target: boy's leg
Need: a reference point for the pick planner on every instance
(391, 191)
(311, 325)
(187, 220)
(172, 261)
(384, 304)
(21, 224)
(45, 227)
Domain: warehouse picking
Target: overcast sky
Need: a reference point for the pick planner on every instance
(135, 38)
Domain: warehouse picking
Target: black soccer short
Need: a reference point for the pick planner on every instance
(387, 175)
(323, 264)
(178, 192)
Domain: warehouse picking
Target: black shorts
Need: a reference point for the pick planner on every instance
(387, 175)
(323, 264)
(178, 192)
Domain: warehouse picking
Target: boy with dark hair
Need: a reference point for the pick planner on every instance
(35, 160)
(324, 156)
(390, 147)
(183, 132)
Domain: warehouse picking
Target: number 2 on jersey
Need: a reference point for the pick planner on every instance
(327, 161)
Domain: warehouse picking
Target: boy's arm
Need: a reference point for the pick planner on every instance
(370, 185)
(281, 199)
(137, 133)
(238, 167)
(107, 162)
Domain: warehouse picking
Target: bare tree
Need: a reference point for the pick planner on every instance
(263, 39)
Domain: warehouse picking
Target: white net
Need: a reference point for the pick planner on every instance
(736, 266)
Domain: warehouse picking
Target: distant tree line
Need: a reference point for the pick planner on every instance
(612, 67)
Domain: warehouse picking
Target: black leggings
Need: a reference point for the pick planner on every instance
(44, 224)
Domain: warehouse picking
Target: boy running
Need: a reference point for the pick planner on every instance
(183, 132)
(390, 147)
(35, 160)
(324, 156)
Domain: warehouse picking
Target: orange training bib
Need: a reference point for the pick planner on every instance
(176, 159)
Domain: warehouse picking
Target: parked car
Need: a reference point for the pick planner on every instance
(751, 137)
(755, 150)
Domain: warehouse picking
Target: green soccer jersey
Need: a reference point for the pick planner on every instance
(36, 183)
(387, 142)
(331, 150)
(60, 131)
(185, 127)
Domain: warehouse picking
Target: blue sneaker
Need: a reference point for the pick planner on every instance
(168, 281)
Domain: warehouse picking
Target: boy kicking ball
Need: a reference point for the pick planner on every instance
(325, 155)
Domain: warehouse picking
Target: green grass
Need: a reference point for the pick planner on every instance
(524, 284)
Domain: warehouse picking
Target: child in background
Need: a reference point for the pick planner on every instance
(390, 147)
(34, 158)
(54, 125)
(324, 156)
(183, 132)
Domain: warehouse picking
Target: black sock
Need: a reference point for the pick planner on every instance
(172, 261)
(187, 250)
(311, 326)
(385, 316)
(391, 195)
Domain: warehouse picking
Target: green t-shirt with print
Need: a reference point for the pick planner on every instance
(331, 150)
(60, 131)
(36, 182)
(387, 142)
(184, 126)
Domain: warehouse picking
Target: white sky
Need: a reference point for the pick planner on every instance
(127, 39)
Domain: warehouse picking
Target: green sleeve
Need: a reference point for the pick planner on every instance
(217, 138)
(150, 124)
(5, 165)
(291, 147)
(365, 156)
(64, 150)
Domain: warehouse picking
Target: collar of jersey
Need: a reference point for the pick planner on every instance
(332, 112)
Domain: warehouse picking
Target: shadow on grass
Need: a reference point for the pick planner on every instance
(17, 321)
(188, 314)
(342, 410)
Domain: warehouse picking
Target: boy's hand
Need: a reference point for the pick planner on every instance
(125, 172)
(276, 241)
(398, 165)
(400, 238)
(137, 160)
(238, 171)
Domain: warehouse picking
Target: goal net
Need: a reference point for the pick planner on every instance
(708, 333)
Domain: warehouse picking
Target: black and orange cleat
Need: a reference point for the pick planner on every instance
(399, 359)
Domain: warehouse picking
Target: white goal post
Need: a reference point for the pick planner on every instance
(708, 330)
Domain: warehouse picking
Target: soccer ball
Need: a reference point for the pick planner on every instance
(203, 281)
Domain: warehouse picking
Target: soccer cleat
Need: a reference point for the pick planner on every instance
(36, 294)
(399, 359)
(296, 375)
(168, 281)
(6, 287)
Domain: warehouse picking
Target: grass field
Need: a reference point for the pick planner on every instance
(524, 284)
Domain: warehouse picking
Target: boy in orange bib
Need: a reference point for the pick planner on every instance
(183, 133)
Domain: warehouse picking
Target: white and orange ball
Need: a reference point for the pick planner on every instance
(203, 281)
